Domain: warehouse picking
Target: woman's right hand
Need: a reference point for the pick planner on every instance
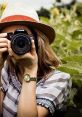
(3, 47)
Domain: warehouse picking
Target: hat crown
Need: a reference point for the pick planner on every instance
(20, 13)
(20, 8)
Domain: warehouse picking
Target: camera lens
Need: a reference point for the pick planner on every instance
(21, 43)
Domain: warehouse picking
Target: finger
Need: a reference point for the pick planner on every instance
(3, 45)
(3, 50)
(3, 34)
(5, 40)
(9, 48)
(33, 50)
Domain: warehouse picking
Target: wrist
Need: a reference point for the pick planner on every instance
(28, 78)
(32, 73)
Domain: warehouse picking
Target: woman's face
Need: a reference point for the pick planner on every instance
(14, 27)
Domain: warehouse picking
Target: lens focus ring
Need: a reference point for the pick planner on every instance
(21, 43)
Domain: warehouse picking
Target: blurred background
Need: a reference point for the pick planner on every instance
(65, 16)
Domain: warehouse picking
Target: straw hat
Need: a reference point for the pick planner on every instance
(21, 13)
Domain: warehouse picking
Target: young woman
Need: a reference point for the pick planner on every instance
(29, 85)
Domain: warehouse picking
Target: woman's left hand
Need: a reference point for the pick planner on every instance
(28, 61)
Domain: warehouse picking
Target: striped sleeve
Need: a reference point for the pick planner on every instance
(52, 94)
(4, 78)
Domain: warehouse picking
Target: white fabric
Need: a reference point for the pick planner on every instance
(20, 8)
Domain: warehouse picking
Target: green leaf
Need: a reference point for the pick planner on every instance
(75, 58)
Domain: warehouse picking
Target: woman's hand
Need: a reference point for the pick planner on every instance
(28, 61)
(3, 47)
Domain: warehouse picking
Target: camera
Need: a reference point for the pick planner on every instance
(20, 41)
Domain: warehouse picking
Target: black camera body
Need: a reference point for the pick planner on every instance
(21, 41)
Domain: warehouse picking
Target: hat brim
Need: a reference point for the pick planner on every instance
(46, 29)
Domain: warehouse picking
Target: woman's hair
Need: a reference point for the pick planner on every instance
(46, 56)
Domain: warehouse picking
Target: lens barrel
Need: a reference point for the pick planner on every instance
(21, 43)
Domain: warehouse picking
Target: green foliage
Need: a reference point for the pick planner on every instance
(79, 9)
(2, 7)
(43, 12)
(68, 46)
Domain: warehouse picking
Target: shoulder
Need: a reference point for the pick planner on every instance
(59, 81)
(58, 75)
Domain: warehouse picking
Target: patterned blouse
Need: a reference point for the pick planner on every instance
(51, 93)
